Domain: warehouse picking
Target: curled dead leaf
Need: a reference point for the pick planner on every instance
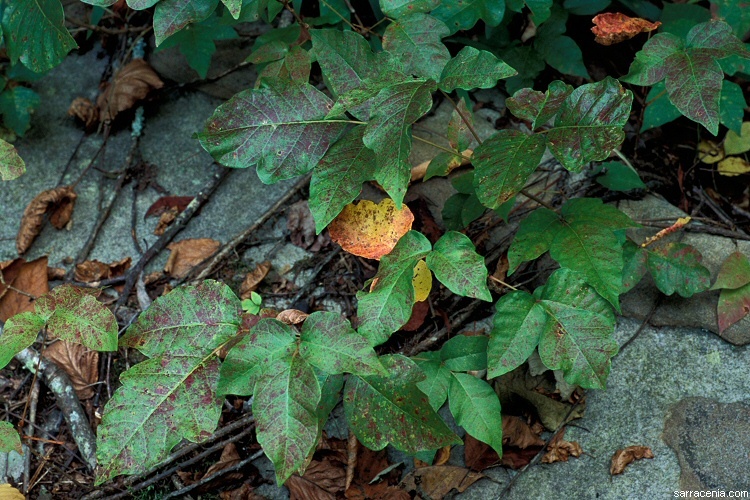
(187, 254)
(516, 432)
(84, 110)
(422, 281)
(130, 84)
(622, 458)
(165, 219)
(8, 492)
(614, 27)
(323, 480)
(94, 270)
(253, 279)
(167, 203)
(56, 203)
(560, 450)
(79, 362)
(292, 316)
(23, 282)
(370, 230)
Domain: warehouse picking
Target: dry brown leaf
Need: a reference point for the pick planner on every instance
(130, 84)
(244, 492)
(516, 432)
(419, 313)
(560, 450)
(352, 445)
(229, 457)
(187, 254)
(55, 273)
(84, 110)
(167, 203)
(292, 316)
(622, 458)
(478, 455)
(57, 203)
(369, 464)
(301, 226)
(253, 279)
(323, 480)
(377, 491)
(438, 481)
(93, 270)
(28, 277)
(370, 230)
(614, 27)
(79, 362)
(441, 458)
(165, 219)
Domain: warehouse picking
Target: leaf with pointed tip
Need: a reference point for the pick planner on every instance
(437, 378)
(463, 14)
(280, 128)
(12, 165)
(388, 306)
(35, 33)
(476, 408)
(9, 439)
(734, 272)
(285, 407)
(19, 332)
(589, 123)
(233, 6)
(457, 266)
(517, 327)
(578, 335)
(267, 341)
(329, 343)
(388, 132)
(619, 177)
(415, 39)
(504, 163)
(392, 410)
(540, 9)
(465, 353)
(634, 265)
(676, 267)
(733, 305)
(537, 107)
(337, 179)
(472, 69)
(170, 16)
(398, 8)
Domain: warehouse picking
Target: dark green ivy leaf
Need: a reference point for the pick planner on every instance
(463, 14)
(399, 8)
(16, 106)
(537, 107)
(415, 40)
(472, 69)
(196, 42)
(170, 16)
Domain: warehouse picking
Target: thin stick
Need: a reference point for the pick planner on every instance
(466, 121)
(215, 475)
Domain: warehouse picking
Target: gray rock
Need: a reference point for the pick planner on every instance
(711, 440)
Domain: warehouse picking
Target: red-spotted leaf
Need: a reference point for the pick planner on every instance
(329, 343)
(634, 265)
(504, 163)
(392, 410)
(280, 128)
(457, 266)
(285, 407)
(589, 123)
(397, 8)
(733, 305)
(337, 180)
(518, 325)
(415, 40)
(476, 408)
(388, 305)
(12, 166)
(473, 68)
(734, 272)
(156, 406)
(170, 16)
(677, 267)
(538, 107)
(9, 438)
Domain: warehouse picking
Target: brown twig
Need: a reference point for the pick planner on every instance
(703, 229)
(215, 475)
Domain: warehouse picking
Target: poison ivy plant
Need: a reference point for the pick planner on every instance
(734, 282)
(9, 439)
(12, 165)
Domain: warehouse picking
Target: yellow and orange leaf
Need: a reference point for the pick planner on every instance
(614, 27)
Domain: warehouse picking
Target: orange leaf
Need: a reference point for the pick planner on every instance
(253, 279)
(613, 27)
(370, 230)
(79, 362)
(23, 281)
(187, 254)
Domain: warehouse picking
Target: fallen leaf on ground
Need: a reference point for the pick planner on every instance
(377, 491)
(613, 27)
(323, 480)
(253, 279)
(130, 84)
(244, 492)
(167, 203)
(438, 481)
(84, 110)
(229, 457)
(710, 152)
(94, 270)
(737, 144)
(187, 254)
(623, 457)
(292, 316)
(418, 172)
(79, 362)
(56, 203)
(441, 458)
(560, 450)
(55, 273)
(369, 230)
(516, 458)
(733, 166)
(8, 492)
(478, 455)
(516, 432)
(28, 277)
(419, 313)
(301, 226)
(424, 221)
(422, 281)
(165, 219)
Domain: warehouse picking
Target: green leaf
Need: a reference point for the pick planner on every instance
(471, 211)
(463, 14)
(457, 265)
(734, 272)
(459, 133)
(540, 9)
(517, 327)
(16, 106)
(679, 19)
(330, 390)
(35, 34)
(19, 332)
(453, 211)
(634, 265)
(141, 4)
(74, 315)
(464, 353)
(9, 439)
(659, 109)
(578, 336)
(736, 14)
(294, 67)
(399, 8)
(676, 267)
(619, 177)
(733, 305)
(329, 343)
(535, 236)
(441, 165)
(279, 128)
(476, 408)
(735, 144)
(392, 410)
(337, 179)
(388, 132)
(528, 62)
(233, 6)
(196, 42)
(473, 68)
(563, 54)
(267, 341)
(415, 40)
(286, 418)
(536, 107)
(170, 16)
(12, 165)
(437, 378)
(585, 7)
(388, 306)
(358, 101)
(504, 163)
(589, 123)
(732, 106)
(345, 58)
(182, 332)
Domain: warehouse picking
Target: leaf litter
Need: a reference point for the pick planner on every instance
(57, 204)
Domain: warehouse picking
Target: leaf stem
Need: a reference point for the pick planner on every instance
(442, 148)
(538, 200)
(507, 285)
(466, 121)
